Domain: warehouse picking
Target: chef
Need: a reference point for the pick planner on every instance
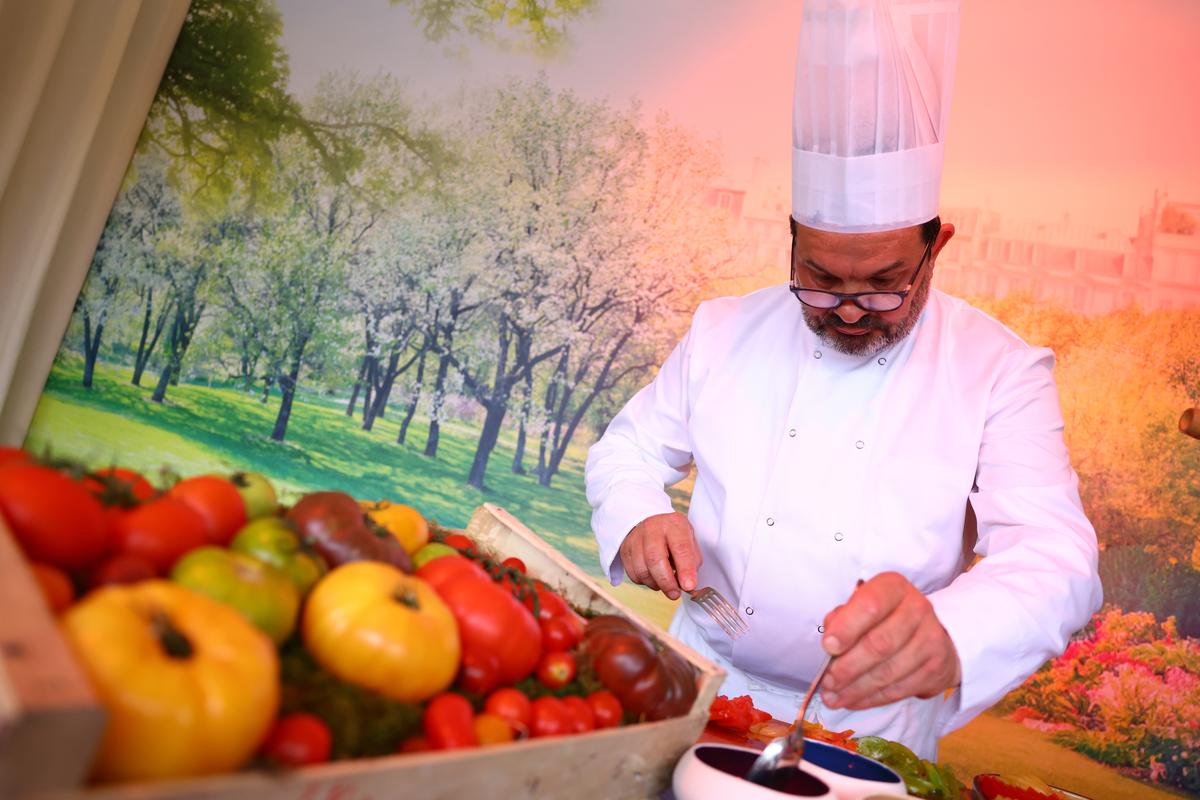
(857, 424)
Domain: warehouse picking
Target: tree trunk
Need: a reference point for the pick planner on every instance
(548, 405)
(268, 382)
(287, 386)
(164, 378)
(439, 393)
(369, 385)
(138, 360)
(519, 456)
(416, 398)
(362, 371)
(383, 391)
(487, 442)
(144, 354)
(91, 349)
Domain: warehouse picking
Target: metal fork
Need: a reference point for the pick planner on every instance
(717, 607)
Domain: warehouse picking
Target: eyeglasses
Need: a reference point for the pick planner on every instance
(867, 301)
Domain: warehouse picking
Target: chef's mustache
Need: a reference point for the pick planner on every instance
(871, 322)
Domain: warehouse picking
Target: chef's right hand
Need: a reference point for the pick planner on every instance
(650, 548)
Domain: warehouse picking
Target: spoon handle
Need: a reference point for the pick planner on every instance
(796, 737)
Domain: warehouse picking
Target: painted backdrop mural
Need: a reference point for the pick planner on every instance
(424, 250)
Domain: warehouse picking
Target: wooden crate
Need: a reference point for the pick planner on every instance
(50, 722)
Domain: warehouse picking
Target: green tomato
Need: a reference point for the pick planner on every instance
(431, 551)
(272, 541)
(259, 592)
(257, 493)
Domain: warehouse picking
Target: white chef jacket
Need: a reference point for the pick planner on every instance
(815, 469)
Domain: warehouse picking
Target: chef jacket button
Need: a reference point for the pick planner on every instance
(792, 432)
(820, 629)
(749, 611)
(770, 522)
(860, 444)
(817, 354)
(837, 537)
(882, 361)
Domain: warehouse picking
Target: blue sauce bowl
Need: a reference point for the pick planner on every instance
(850, 775)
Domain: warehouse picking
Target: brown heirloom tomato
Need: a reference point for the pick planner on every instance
(649, 682)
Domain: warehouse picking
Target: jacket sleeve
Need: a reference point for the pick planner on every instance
(1037, 582)
(645, 448)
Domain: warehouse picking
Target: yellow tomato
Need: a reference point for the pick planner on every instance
(370, 624)
(403, 522)
(190, 686)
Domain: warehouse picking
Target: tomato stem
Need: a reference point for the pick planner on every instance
(173, 641)
(407, 598)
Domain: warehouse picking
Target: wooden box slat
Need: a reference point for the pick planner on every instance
(63, 721)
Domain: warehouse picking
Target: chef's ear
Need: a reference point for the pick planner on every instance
(944, 235)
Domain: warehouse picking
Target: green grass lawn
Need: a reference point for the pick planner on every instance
(215, 429)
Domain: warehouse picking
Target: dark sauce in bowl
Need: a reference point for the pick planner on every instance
(843, 762)
(738, 762)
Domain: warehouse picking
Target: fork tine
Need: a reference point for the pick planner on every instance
(730, 612)
(717, 607)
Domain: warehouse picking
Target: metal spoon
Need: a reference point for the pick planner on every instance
(786, 752)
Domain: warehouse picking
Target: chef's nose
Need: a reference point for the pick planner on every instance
(849, 313)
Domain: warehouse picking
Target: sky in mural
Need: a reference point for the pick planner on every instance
(1075, 107)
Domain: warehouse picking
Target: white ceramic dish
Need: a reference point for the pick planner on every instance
(849, 775)
(715, 772)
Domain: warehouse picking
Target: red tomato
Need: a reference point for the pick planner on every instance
(449, 722)
(575, 625)
(160, 532)
(512, 705)
(460, 542)
(414, 744)
(298, 739)
(14, 454)
(116, 482)
(53, 518)
(480, 671)
(582, 717)
(440, 571)
(217, 501)
(549, 717)
(556, 670)
(514, 563)
(556, 635)
(121, 568)
(606, 709)
(56, 586)
(550, 605)
(491, 620)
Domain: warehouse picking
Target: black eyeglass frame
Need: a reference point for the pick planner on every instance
(856, 297)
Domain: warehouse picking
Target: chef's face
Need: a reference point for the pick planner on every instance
(887, 261)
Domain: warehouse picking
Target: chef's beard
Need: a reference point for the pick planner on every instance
(882, 334)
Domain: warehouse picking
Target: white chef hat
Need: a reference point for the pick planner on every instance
(873, 83)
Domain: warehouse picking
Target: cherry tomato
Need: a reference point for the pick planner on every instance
(121, 568)
(56, 586)
(217, 501)
(575, 625)
(449, 722)
(118, 484)
(53, 518)
(160, 532)
(550, 605)
(583, 719)
(550, 717)
(492, 729)
(606, 709)
(556, 670)
(460, 542)
(414, 744)
(512, 705)
(298, 739)
(514, 563)
(480, 671)
(556, 635)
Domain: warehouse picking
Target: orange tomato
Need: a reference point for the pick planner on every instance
(492, 729)
(403, 522)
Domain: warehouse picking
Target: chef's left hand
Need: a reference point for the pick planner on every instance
(889, 646)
